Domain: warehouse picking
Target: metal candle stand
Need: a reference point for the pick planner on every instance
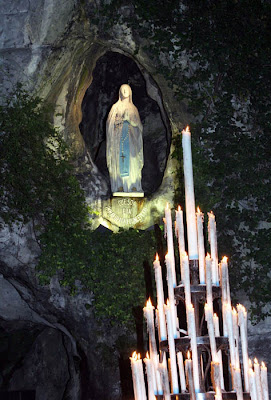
(198, 296)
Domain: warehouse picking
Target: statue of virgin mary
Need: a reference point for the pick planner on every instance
(124, 145)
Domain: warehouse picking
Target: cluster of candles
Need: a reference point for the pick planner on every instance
(169, 375)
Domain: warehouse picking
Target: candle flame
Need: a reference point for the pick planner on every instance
(225, 259)
(138, 356)
(186, 130)
(179, 208)
(168, 303)
(134, 356)
(263, 365)
(147, 355)
(156, 257)
(188, 355)
(198, 210)
(215, 316)
(234, 311)
(208, 256)
(256, 361)
(149, 303)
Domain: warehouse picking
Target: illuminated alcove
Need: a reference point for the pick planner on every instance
(110, 72)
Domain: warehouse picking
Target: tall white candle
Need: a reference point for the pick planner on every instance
(215, 376)
(242, 322)
(172, 351)
(170, 243)
(164, 377)
(143, 395)
(193, 338)
(160, 298)
(225, 283)
(189, 195)
(225, 289)
(213, 246)
(228, 315)
(219, 354)
(264, 381)
(172, 297)
(135, 376)
(201, 248)
(209, 287)
(148, 314)
(190, 378)
(211, 329)
(138, 377)
(258, 379)
(186, 279)
(252, 384)
(236, 337)
(238, 383)
(152, 391)
(181, 370)
(179, 230)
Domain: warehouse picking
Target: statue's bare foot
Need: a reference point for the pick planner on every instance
(120, 189)
(134, 189)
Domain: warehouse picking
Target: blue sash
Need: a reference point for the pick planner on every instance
(124, 158)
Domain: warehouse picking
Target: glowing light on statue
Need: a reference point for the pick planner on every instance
(124, 146)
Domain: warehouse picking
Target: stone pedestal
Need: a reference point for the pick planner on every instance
(125, 212)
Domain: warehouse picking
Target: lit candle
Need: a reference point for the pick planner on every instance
(172, 297)
(160, 298)
(228, 315)
(211, 329)
(164, 377)
(172, 351)
(215, 376)
(181, 370)
(219, 354)
(236, 337)
(238, 383)
(213, 246)
(152, 391)
(179, 231)
(189, 195)
(186, 279)
(189, 376)
(209, 287)
(138, 377)
(143, 395)
(242, 321)
(170, 245)
(200, 219)
(135, 376)
(148, 314)
(264, 382)
(225, 283)
(258, 379)
(193, 339)
(252, 384)
(225, 289)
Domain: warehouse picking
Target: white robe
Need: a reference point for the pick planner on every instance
(131, 183)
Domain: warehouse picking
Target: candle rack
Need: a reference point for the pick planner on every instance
(213, 372)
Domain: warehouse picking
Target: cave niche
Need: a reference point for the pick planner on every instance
(111, 71)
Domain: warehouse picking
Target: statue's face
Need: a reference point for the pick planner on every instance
(125, 91)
